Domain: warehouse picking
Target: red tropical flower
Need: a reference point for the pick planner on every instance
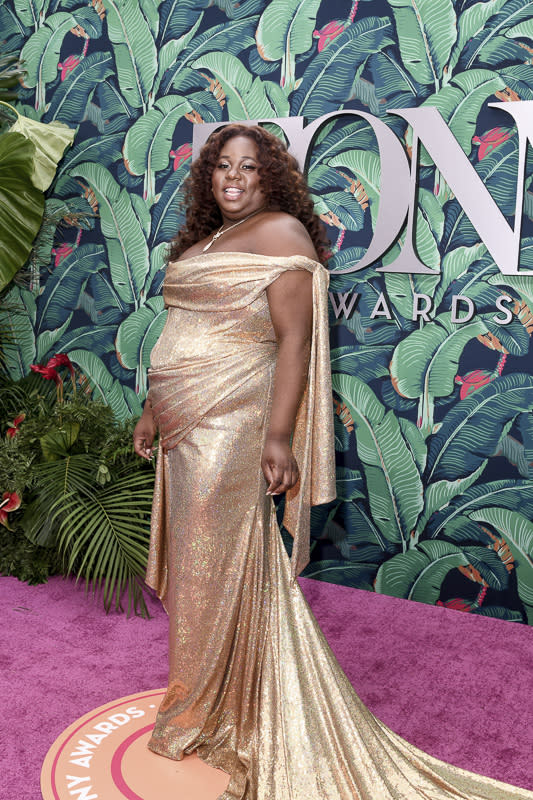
(472, 381)
(70, 63)
(181, 155)
(48, 373)
(329, 32)
(14, 427)
(61, 252)
(457, 603)
(490, 140)
(10, 502)
(61, 360)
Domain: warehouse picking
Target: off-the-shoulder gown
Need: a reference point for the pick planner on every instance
(254, 687)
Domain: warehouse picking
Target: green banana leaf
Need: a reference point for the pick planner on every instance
(343, 205)
(511, 14)
(429, 230)
(247, 97)
(103, 150)
(515, 452)
(520, 284)
(460, 103)
(102, 302)
(285, 30)
(139, 332)
(69, 100)
(365, 362)
(525, 425)
(393, 480)
(350, 484)
(518, 78)
(510, 494)
(125, 241)
(46, 341)
(365, 167)
(157, 269)
(489, 565)
(348, 257)
(165, 213)
(456, 263)
(461, 530)
(98, 339)
(438, 495)
(176, 17)
(231, 37)
(393, 84)
(341, 435)
(522, 30)
(136, 337)
(88, 18)
(21, 204)
(120, 398)
(64, 285)
(426, 34)
(29, 12)
(470, 23)
(426, 361)
(419, 573)
(514, 336)
(517, 531)
(470, 432)
(328, 80)
(149, 141)
(362, 530)
(336, 137)
(171, 50)
(498, 171)
(150, 12)
(134, 48)
(40, 53)
(17, 320)
(415, 442)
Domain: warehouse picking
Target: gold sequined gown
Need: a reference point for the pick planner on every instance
(254, 687)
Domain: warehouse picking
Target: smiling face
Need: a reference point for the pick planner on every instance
(235, 180)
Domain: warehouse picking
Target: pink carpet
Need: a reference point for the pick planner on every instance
(455, 685)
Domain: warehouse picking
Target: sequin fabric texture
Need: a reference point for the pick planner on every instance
(253, 685)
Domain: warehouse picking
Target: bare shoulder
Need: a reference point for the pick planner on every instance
(279, 234)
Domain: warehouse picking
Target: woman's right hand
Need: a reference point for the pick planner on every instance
(144, 434)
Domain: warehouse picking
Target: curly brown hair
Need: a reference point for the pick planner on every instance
(282, 182)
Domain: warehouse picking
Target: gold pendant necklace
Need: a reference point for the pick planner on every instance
(220, 231)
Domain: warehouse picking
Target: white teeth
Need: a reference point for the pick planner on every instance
(234, 192)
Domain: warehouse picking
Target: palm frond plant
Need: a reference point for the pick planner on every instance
(85, 496)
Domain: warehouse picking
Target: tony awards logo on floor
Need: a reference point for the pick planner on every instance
(104, 756)
(398, 200)
(89, 760)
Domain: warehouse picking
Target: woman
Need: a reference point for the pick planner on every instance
(241, 396)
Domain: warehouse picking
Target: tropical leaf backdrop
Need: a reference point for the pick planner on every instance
(433, 419)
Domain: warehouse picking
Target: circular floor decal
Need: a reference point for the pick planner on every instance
(103, 756)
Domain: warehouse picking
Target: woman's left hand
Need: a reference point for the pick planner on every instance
(279, 466)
